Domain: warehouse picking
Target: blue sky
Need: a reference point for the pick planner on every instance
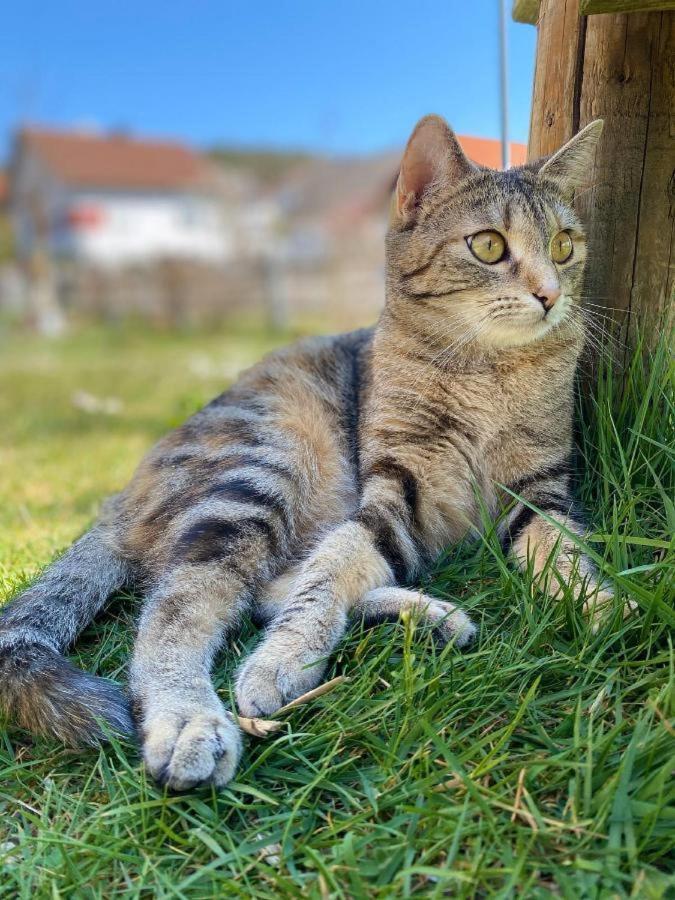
(338, 76)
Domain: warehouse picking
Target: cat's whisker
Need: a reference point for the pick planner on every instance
(595, 317)
(585, 302)
(598, 338)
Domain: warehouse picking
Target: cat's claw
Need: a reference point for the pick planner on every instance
(184, 752)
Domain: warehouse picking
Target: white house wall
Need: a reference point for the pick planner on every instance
(134, 226)
(139, 227)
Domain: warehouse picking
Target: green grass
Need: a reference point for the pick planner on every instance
(404, 780)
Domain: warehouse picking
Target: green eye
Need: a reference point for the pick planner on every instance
(487, 246)
(561, 247)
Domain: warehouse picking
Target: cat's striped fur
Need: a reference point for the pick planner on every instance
(332, 474)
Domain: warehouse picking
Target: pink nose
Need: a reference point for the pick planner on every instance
(547, 295)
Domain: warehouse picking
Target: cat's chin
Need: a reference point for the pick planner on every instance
(518, 335)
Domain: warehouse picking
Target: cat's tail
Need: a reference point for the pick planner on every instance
(40, 690)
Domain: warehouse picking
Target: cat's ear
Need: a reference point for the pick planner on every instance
(432, 155)
(569, 167)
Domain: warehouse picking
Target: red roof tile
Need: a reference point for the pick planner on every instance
(115, 161)
(488, 151)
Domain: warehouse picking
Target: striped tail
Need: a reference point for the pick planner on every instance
(40, 690)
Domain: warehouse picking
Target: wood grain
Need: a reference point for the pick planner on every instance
(620, 68)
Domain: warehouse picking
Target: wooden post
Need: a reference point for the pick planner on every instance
(619, 67)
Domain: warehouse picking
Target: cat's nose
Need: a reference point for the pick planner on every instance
(547, 295)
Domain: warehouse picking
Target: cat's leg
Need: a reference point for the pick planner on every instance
(188, 736)
(550, 548)
(450, 623)
(378, 547)
(293, 654)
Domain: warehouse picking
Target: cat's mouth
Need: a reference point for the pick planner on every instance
(514, 321)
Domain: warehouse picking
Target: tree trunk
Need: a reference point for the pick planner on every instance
(620, 68)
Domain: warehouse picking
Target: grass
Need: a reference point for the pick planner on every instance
(538, 764)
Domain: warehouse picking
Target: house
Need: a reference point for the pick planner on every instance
(112, 200)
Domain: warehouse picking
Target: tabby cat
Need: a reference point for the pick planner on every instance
(334, 472)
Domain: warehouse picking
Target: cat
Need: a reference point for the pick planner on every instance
(334, 472)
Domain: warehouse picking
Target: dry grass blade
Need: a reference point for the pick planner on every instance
(519, 794)
(260, 728)
(313, 694)
(452, 784)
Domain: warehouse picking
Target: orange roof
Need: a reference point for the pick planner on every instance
(115, 161)
(488, 151)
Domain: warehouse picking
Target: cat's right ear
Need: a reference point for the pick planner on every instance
(432, 156)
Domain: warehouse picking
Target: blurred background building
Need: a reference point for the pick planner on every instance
(112, 200)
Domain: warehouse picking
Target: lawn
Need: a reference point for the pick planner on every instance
(538, 764)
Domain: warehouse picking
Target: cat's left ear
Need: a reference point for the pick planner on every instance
(569, 167)
(432, 156)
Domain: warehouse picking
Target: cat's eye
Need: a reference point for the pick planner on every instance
(561, 247)
(487, 246)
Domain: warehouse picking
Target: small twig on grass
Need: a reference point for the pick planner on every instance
(262, 728)
(314, 693)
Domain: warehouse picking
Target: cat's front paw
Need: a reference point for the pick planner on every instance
(599, 604)
(450, 623)
(184, 751)
(267, 681)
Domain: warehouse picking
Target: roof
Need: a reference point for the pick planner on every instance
(4, 188)
(115, 161)
(488, 151)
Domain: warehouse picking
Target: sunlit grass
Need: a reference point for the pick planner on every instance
(540, 763)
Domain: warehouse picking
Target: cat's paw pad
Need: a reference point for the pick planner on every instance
(450, 623)
(183, 752)
(265, 684)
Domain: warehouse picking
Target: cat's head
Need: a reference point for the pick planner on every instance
(483, 254)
